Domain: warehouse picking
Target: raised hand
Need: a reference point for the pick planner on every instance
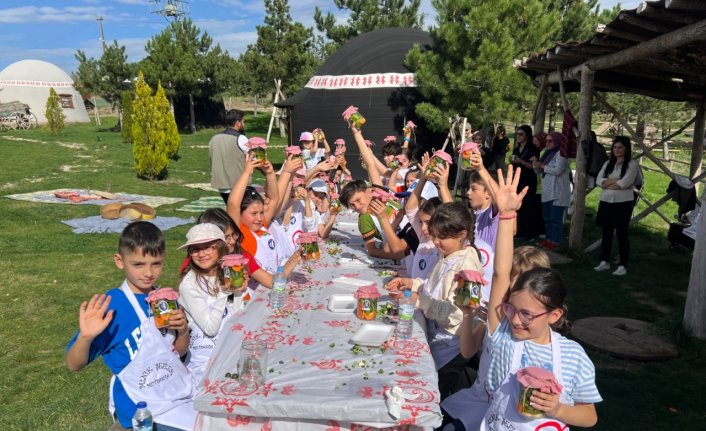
(93, 318)
(292, 165)
(504, 193)
(425, 162)
(441, 172)
(378, 208)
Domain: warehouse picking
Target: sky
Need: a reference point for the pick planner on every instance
(53, 31)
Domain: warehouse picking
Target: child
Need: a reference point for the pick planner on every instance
(311, 152)
(468, 406)
(116, 326)
(321, 220)
(206, 294)
(482, 205)
(450, 227)
(521, 323)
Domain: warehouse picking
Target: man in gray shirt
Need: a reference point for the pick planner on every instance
(227, 153)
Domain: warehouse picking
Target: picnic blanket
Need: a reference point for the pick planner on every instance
(203, 203)
(201, 186)
(97, 224)
(47, 197)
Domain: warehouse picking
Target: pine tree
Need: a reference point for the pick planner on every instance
(469, 72)
(365, 16)
(126, 130)
(54, 114)
(149, 146)
(163, 111)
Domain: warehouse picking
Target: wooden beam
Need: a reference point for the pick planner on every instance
(662, 141)
(611, 43)
(690, 5)
(581, 181)
(622, 34)
(646, 23)
(540, 109)
(666, 15)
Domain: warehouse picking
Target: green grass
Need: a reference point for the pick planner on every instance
(47, 272)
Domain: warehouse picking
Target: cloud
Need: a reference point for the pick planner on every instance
(34, 14)
(236, 43)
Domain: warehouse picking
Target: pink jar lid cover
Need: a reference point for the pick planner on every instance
(369, 143)
(389, 138)
(411, 125)
(297, 182)
(349, 111)
(293, 150)
(333, 195)
(471, 275)
(233, 260)
(443, 156)
(370, 291)
(257, 142)
(469, 146)
(163, 293)
(539, 378)
(380, 194)
(307, 238)
(339, 142)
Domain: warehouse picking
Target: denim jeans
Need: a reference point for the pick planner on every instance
(553, 221)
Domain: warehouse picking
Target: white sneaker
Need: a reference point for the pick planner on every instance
(603, 266)
(620, 271)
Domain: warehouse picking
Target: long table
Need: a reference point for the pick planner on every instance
(317, 379)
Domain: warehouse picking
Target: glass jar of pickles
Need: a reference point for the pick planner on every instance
(534, 379)
(309, 242)
(257, 146)
(162, 302)
(298, 190)
(468, 290)
(234, 268)
(367, 306)
(353, 117)
(335, 206)
(319, 135)
(466, 150)
(294, 151)
(438, 158)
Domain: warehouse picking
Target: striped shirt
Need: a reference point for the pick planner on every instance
(578, 372)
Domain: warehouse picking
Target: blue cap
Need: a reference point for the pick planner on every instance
(408, 293)
(141, 405)
(280, 268)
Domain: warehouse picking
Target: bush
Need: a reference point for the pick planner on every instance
(54, 113)
(173, 140)
(149, 144)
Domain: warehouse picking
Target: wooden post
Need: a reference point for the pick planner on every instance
(540, 109)
(695, 308)
(697, 150)
(580, 181)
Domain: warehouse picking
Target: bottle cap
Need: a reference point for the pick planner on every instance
(407, 293)
(280, 268)
(142, 405)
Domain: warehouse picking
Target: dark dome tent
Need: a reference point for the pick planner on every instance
(367, 72)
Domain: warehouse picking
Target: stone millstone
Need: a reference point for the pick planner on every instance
(624, 338)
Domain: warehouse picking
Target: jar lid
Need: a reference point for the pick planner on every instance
(307, 238)
(293, 150)
(233, 260)
(162, 293)
(539, 378)
(443, 156)
(370, 291)
(257, 142)
(471, 275)
(349, 111)
(469, 146)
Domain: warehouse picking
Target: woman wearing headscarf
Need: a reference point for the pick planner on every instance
(556, 189)
(522, 156)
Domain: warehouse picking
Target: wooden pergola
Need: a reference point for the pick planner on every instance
(656, 50)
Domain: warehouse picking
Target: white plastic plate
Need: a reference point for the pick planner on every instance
(351, 262)
(372, 334)
(352, 282)
(341, 303)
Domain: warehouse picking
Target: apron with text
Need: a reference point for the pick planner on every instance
(157, 376)
(502, 414)
(444, 346)
(424, 259)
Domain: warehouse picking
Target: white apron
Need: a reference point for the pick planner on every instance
(469, 405)
(201, 346)
(295, 225)
(487, 260)
(157, 376)
(502, 414)
(444, 346)
(266, 254)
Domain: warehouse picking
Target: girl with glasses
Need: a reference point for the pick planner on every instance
(522, 320)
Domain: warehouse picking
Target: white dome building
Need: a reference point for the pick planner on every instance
(28, 81)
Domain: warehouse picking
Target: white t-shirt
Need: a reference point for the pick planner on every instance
(315, 158)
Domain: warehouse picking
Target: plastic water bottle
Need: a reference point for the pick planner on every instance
(142, 421)
(405, 321)
(279, 289)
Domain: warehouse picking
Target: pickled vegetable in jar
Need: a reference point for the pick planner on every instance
(534, 379)
(468, 291)
(353, 117)
(258, 148)
(233, 267)
(309, 242)
(367, 297)
(162, 302)
(438, 158)
(294, 151)
(466, 150)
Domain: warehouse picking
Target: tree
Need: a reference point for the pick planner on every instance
(365, 16)
(469, 72)
(126, 103)
(182, 58)
(284, 50)
(163, 113)
(149, 146)
(54, 114)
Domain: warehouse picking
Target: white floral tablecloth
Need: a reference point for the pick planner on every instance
(315, 380)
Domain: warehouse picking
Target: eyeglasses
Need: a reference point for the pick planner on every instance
(526, 318)
(208, 250)
(232, 237)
